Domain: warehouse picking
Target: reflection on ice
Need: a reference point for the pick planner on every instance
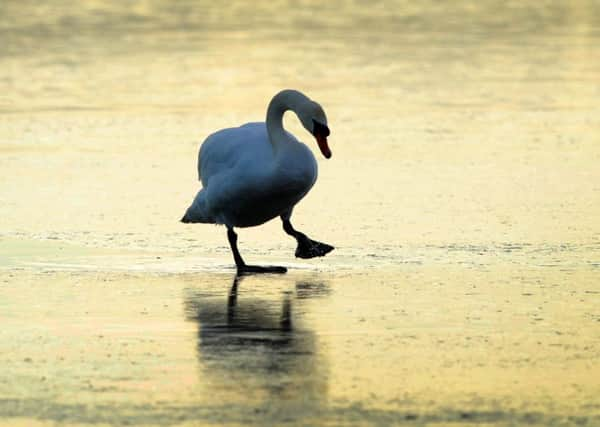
(258, 348)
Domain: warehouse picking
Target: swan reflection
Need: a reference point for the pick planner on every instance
(256, 345)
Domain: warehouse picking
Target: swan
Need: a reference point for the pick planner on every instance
(258, 171)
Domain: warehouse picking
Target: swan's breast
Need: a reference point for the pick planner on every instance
(297, 168)
(272, 192)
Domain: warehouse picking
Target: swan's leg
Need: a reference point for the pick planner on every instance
(242, 267)
(232, 237)
(307, 248)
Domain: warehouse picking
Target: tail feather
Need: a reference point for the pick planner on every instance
(197, 212)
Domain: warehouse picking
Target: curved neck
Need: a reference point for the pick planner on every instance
(285, 100)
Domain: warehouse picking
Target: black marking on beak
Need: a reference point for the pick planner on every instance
(320, 129)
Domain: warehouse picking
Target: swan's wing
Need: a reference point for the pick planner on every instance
(225, 149)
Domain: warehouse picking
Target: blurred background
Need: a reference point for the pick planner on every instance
(463, 123)
(463, 199)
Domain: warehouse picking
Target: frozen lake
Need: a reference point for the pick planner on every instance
(463, 199)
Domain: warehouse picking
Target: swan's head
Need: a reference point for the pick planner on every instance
(314, 120)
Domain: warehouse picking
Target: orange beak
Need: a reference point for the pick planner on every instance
(322, 141)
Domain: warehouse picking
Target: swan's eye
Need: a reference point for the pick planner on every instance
(320, 129)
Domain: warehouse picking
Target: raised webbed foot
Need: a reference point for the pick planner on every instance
(308, 248)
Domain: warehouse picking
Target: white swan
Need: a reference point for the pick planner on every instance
(258, 171)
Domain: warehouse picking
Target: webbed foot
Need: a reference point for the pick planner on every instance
(308, 248)
(257, 269)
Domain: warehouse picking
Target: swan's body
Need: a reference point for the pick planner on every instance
(258, 171)
(245, 182)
